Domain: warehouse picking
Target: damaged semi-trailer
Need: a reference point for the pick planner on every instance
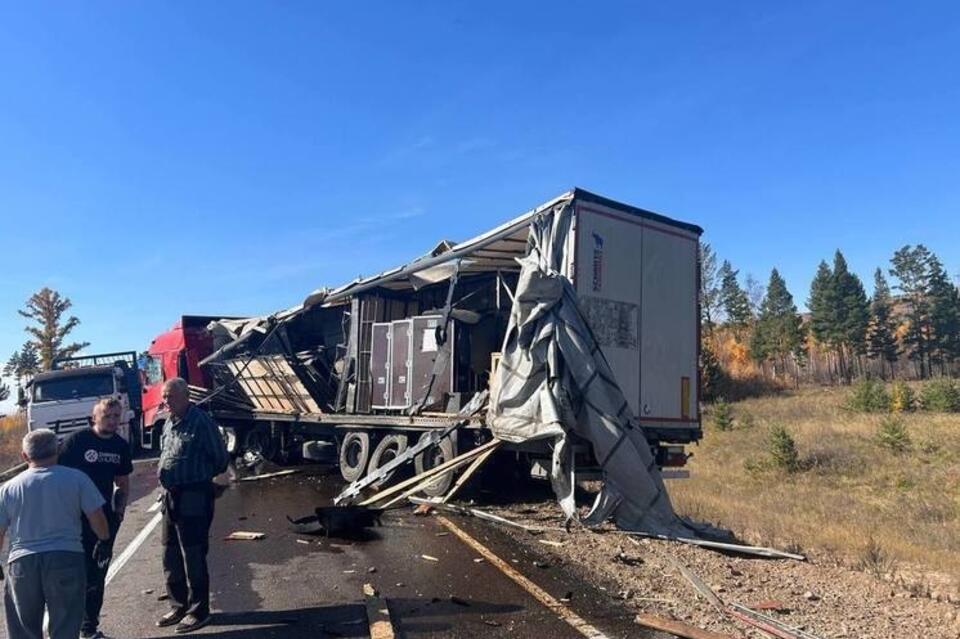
(378, 364)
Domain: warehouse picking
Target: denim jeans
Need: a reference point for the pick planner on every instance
(52, 580)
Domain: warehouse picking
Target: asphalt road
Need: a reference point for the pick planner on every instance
(294, 586)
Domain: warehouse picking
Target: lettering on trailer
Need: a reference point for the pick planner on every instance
(597, 262)
(613, 322)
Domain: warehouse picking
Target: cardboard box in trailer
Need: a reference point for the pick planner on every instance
(384, 359)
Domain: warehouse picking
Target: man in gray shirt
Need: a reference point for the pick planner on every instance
(41, 510)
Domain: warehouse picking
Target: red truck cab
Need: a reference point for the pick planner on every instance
(175, 353)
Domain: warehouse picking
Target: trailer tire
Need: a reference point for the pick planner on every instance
(354, 455)
(433, 457)
(389, 448)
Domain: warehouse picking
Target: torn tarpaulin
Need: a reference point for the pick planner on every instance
(554, 381)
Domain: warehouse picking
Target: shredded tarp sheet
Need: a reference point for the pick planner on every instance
(553, 381)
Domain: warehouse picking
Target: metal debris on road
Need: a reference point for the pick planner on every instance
(480, 514)
(429, 558)
(547, 542)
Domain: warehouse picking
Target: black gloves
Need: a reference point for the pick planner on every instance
(102, 554)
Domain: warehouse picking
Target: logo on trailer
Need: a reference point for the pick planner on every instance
(597, 261)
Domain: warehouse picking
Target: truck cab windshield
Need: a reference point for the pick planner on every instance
(73, 388)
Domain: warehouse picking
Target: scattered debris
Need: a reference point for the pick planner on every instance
(810, 596)
(279, 473)
(491, 622)
(460, 602)
(372, 569)
(243, 535)
(760, 551)
(148, 591)
(480, 514)
(566, 598)
(337, 520)
(540, 564)
(677, 628)
(378, 615)
(429, 558)
(555, 544)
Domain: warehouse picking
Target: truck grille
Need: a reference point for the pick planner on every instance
(69, 425)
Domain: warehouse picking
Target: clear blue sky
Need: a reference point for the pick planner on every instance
(200, 157)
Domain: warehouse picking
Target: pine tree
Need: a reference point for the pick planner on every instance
(734, 300)
(778, 334)
(911, 267)
(709, 286)
(822, 305)
(12, 365)
(944, 317)
(852, 313)
(29, 362)
(46, 308)
(881, 333)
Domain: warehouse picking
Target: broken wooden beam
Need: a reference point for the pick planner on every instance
(353, 490)
(678, 628)
(431, 473)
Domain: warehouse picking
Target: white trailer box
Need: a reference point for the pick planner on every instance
(636, 276)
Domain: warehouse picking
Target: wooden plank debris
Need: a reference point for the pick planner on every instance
(471, 469)
(279, 473)
(677, 628)
(378, 614)
(353, 490)
(430, 474)
(243, 535)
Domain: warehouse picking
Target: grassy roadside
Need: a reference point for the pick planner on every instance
(12, 430)
(892, 513)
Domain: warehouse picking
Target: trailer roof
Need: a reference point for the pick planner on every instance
(497, 249)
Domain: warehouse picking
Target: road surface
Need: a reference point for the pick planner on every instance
(294, 586)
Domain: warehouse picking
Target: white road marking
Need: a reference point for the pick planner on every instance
(573, 619)
(132, 547)
(155, 507)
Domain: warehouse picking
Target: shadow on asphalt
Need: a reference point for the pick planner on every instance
(348, 620)
(410, 615)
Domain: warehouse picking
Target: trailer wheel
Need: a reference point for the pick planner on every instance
(389, 448)
(354, 454)
(433, 457)
(261, 442)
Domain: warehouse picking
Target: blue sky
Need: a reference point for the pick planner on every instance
(191, 157)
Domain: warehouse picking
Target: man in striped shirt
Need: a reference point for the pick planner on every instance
(192, 453)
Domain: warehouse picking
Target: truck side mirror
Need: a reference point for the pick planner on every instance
(21, 397)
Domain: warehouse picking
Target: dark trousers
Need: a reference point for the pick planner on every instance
(95, 575)
(52, 580)
(187, 515)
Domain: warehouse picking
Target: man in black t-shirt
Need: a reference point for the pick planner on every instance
(105, 457)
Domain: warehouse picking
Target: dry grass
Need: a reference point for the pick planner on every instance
(852, 499)
(12, 430)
